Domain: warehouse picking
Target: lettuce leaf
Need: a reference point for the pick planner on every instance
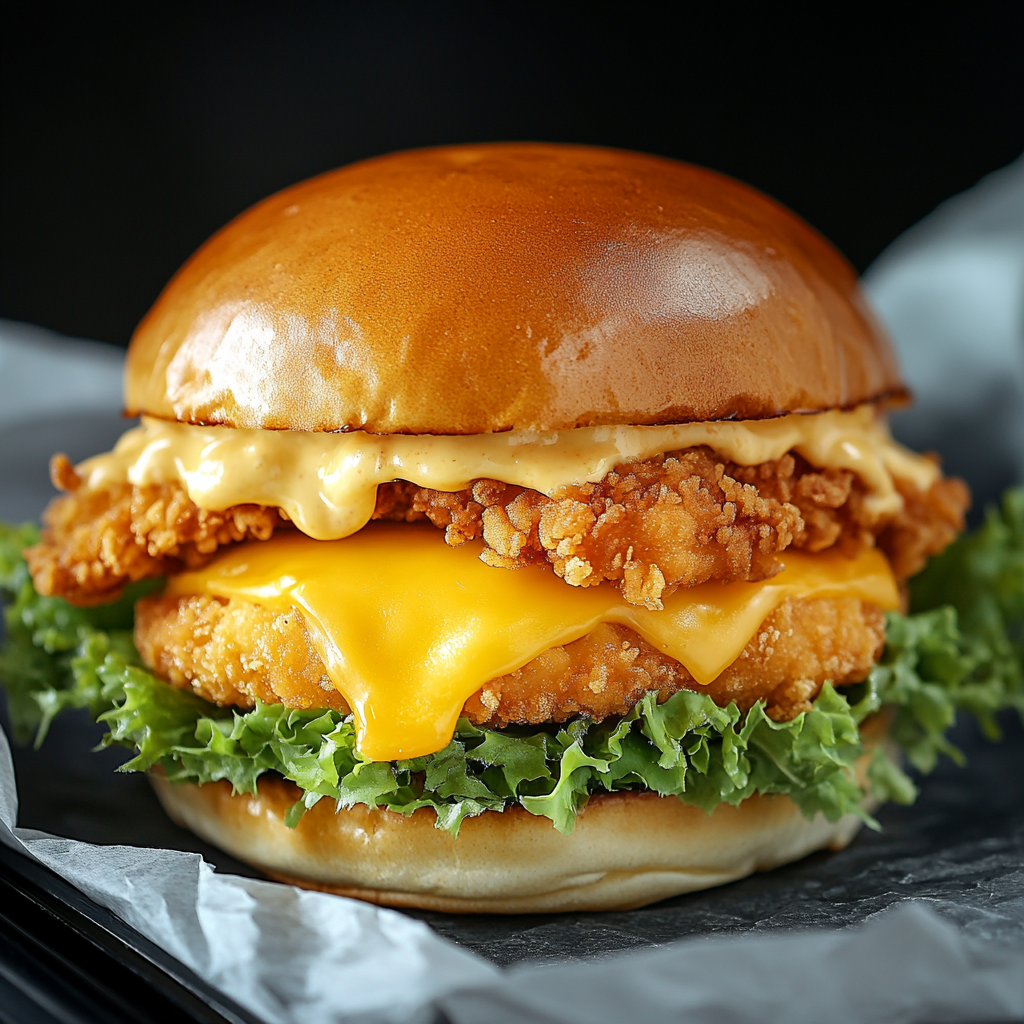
(960, 650)
(963, 649)
(43, 637)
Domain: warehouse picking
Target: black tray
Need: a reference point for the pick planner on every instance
(63, 958)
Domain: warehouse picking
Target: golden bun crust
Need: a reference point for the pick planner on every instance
(470, 289)
(628, 849)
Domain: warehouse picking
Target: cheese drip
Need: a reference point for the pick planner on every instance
(409, 628)
(327, 483)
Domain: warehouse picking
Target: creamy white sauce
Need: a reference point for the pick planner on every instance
(327, 483)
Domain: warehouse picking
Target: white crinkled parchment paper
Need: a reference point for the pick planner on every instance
(286, 954)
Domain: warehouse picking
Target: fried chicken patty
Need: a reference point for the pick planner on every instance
(233, 652)
(95, 542)
(684, 518)
(649, 526)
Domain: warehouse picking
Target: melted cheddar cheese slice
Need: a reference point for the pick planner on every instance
(409, 628)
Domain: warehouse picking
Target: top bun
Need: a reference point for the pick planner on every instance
(469, 289)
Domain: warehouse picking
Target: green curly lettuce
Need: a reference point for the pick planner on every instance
(43, 635)
(960, 650)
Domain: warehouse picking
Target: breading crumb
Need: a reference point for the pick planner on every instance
(63, 475)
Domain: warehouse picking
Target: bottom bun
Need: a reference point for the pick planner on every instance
(628, 849)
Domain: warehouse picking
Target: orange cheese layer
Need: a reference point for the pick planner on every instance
(409, 628)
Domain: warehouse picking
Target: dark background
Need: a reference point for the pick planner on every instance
(126, 143)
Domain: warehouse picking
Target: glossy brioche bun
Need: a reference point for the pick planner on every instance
(470, 289)
(628, 849)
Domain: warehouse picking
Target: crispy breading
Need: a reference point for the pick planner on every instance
(800, 645)
(649, 526)
(234, 651)
(94, 542)
(927, 524)
(683, 518)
